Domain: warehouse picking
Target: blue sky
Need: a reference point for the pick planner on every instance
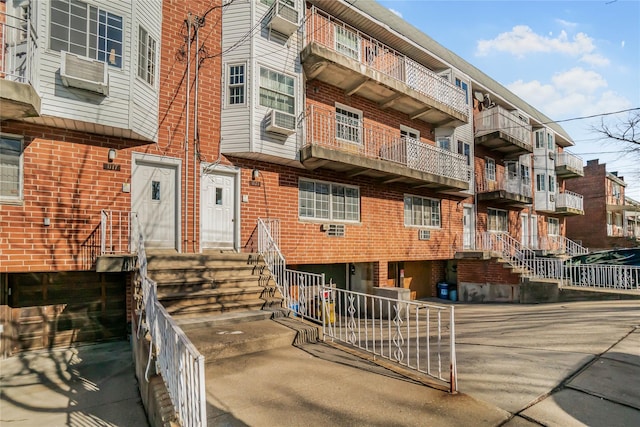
(568, 59)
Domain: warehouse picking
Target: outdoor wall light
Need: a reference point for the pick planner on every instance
(254, 174)
(112, 155)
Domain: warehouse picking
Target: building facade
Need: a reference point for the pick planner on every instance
(611, 218)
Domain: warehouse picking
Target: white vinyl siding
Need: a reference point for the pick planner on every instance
(325, 200)
(10, 169)
(497, 220)
(421, 211)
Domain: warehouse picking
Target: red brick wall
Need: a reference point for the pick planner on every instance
(64, 179)
(489, 271)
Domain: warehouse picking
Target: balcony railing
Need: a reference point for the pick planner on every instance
(569, 200)
(570, 162)
(326, 30)
(18, 57)
(375, 142)
(499, 119)
(513, 185)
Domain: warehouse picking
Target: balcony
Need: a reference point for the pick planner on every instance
(360, 65)
(499, 130)
(569, 166)
(354, 148)
(18, 64)
(511, 191)
(569, 203)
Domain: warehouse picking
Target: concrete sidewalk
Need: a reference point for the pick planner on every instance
(89, 385)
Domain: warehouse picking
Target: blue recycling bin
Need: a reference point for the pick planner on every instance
(443, 290)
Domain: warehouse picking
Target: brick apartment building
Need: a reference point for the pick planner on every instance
(94, 126)
(611, 218)
(388, 160)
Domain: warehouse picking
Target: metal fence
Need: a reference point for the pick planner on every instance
(18, 58)
(117, 232)
(177, 359)
(499, 119)
(412, 334)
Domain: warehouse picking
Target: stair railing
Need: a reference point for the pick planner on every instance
(516, 255)
(177, 360)
(570, 247)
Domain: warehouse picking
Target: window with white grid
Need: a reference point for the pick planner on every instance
(348, 124)
(490, 169)
(277, 91)
(325, 200)
(236, 84)
(497, 220)
(421, 211)
(10, 169)
(146, 56)
(553, 227)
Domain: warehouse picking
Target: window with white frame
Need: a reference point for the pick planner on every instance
(277, 91)
(326, 200)
(347, 42)
(421, 211)
(525, 174)
(444, 142)
(541, 182)
(86, 30)
(10, 169)
(540, 139)
(462, 85)
(236, 81)
(553, 227)
(348, 124)
(550, 144)
(497, 220)
(146, 56)
(490, 169)
(552, 183)
(407, 132)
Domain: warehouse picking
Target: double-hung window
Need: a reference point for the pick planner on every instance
(497, 220)
(277, 91)
(552, 184)
(540, 182)
(553, 228)
(347, 42)
(348, 124)
(236, 84)
(444, 142)
(465, 88)
(325, 200)
(146, 56)
(86, 30)
(10, 169)
(421, 211)
(490, 169)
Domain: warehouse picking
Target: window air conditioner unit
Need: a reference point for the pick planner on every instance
(552, 156)
(552, 198)
(424, 234)
(284, 18)
(282, 123)
(84, 73)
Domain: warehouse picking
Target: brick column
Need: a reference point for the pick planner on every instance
(380, 273)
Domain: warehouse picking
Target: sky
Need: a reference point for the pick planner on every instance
(568, 59)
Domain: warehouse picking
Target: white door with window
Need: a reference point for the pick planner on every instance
(154, 185)
(218, 210)
(468, 236)
(525, 230)
(534, 232)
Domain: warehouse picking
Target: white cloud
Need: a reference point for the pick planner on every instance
(521, 40)
(395, 12)
(622, 44)
(566, 23)
(573, 93)
(595, 59)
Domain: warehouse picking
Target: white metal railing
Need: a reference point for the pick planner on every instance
(514, 185)
(499, 119)
(377, 142)
(116, 232)
(177, 359)
(334, 34)
(19, 54)
(620, 277)
(614, 230)
(571, 161)
(415, 335)
(565, 245)
(568, 199)
(412, 334)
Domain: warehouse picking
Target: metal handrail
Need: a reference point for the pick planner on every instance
(179, 362)
(19, 58)
(498, 118)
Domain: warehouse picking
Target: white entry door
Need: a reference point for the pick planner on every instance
(467, 231)
(525, 230)
(534, 232)
(153, 198)
(218, 210)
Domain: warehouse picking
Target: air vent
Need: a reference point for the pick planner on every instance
(281, 123)
(424, 234)
(552, 198)
(84, 73)
(335, 230)
(284, 18)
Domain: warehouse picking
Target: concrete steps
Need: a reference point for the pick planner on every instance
(197, 285)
